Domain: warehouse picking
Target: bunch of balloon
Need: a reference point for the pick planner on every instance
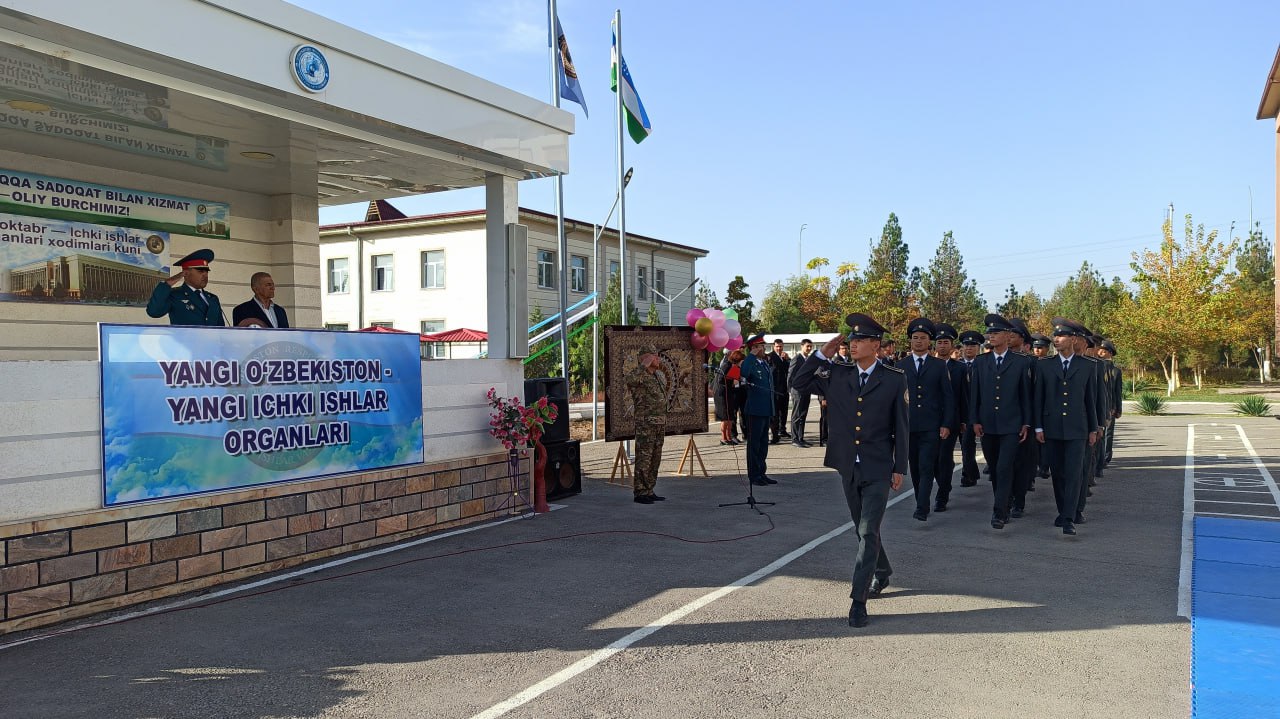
(714, 329)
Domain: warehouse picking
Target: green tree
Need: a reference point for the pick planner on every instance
(1027, 305)
(546, 364)
(1254, 299)
(737, 297)
(947, 293)
(651, 317)
(1085, 298)
(885, 292)
(780, 311)
(705, 298)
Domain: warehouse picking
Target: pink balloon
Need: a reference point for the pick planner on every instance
(716, 316)
(732, 327)
(698, 341)
(719, 338)
(692, 316)
(734, 343)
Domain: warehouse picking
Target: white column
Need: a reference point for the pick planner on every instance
(502, 207)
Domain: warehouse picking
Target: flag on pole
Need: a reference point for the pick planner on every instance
(566, 73)
(637, 119)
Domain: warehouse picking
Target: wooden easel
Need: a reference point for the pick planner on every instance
(621, 463)
(691, 449)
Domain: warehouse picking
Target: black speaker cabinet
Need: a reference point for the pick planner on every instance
(556, 390)
(564, 468)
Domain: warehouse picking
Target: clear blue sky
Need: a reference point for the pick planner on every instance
(1042, 136)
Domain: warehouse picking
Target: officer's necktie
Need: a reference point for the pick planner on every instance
(1066, 365)
(205, 300)
(999, 361)
(865, 375)
(919, 364)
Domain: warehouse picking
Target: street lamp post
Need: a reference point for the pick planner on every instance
(595, 327)
(672, 298)
(800, 251)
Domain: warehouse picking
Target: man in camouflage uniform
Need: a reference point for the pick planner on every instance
(649, 394)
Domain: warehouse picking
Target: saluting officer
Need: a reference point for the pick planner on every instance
(1000, 406)
(970, 346)
(867, 406)
(943, 344)
(1066, 417)
(933, 408)
(189, 304)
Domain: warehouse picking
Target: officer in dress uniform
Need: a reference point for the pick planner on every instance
(758, 409)
(1106, 352)
(649, 393)
(1041, 346)
(1000, 406)
(867, 405)
(1086, 345)
(779, 364)
(189, 304)
(1066, 417)
(1027, 462)
(933, 407)
(970, 346)
(943, 344)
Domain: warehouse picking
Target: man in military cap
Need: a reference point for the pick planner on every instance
(1066, 418)
(1087, 345)
(1027, 462)
(1000, 406)
(932, 411)
(1106, 353)
(888, 353)
(779, 364)
(970, 347)
(189, 304)
(758, 409)
(867, 405)
(943, 345)
(1040, 344)
(649, 395)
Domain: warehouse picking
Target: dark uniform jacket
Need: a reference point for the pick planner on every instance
(869, 424)
(779, 368)
(758, 379)
(184, 307)
(1066, 407)
(245, 310)
(960, 390)
(1117, 388)
(796, 363)
(1001, 401)
(933, 402)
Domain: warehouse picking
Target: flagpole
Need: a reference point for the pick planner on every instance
(622, 187)
(562, 240)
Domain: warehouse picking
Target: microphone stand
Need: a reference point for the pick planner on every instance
(751, 497)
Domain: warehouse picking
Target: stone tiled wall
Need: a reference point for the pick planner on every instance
(76, 565)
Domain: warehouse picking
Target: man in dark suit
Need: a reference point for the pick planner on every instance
(757, 410)
(779, 366)
(1000, 406)
(799, 400)
(943, 344)
(867, 411)
(189, 304)
(933, 408)
(970, 347)
(1106, 352)
(1066, 417)
(1040, 345)
(1087, 345)
(261, 310)
(1027, 462)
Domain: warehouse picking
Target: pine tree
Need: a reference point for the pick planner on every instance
(947, 293)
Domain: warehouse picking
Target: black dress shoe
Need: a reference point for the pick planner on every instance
(878, 586)
(986, 469)
(822, 443)
(760, 482)
(940, 506)
(997, 522)
(968, 482)
(1069, 529)
(1031, 487)
(921, 515)
(1044, 474)
(1016, 513)
(1079, 518)
(726, 443)
(656, 498)
(1057, 522)
(775, 440)
(643, 499)
(858, 614)
(785, 435)
(801, 445)
(770, 480)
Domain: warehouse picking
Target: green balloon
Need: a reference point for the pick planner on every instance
(703, 326)
(731, 314)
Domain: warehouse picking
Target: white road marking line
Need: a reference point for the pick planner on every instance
(1217, 501)
(1188, 517)
(1262, 468)
(1228, 482)
(555, 680)
(1222, 456)
(1241, 516)
(1218, 437)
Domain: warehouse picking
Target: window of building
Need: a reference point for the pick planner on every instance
(383, 325)
(642, 284)
(613, 269)
(660, 283)
(383, 274)
(577, 273)
(547, 269)
(433, 270)
(339, 326)
(433, 350)
(338, 274)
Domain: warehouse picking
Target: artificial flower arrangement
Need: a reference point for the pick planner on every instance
(516, 425)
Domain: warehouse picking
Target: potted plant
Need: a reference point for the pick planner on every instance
(517, 426)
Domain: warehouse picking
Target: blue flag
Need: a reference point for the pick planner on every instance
(566, 73)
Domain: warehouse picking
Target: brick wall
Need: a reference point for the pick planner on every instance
(72, 566)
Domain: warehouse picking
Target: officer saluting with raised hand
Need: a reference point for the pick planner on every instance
(869, 426)
(189, 304)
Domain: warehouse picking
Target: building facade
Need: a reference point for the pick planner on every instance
(410, 273)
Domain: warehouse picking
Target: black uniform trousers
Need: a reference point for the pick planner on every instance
(1025, 467)
(923, 450)
(1001, 451)
(778, 423)
(946, 466)
(799, 413)
(867, 498)
(822, 422)
(1066, 461)
(1111, 441)
(969, 472)
(757, 434)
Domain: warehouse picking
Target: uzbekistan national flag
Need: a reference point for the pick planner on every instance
(566, 74)
(637, 119)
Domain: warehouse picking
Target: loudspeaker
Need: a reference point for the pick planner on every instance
(556, 390)
(564, 468)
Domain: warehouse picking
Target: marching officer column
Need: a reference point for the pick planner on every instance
(970, 347)
(932, 412)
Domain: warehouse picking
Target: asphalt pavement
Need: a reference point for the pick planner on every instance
(607, 608)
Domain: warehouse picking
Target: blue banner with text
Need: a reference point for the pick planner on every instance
(188, 410)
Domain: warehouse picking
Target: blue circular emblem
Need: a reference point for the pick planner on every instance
(310, 68)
